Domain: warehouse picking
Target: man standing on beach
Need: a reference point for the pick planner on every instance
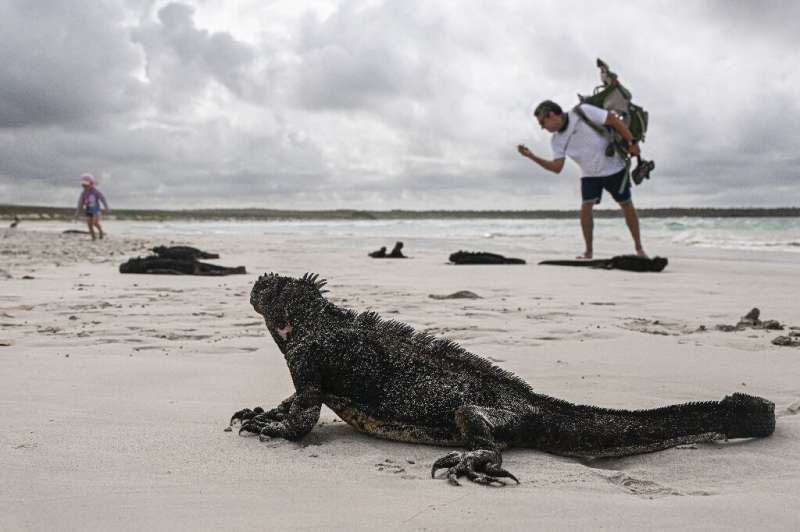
(574, 137)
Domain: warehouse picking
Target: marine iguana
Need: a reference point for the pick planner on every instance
(162, 266)
(385, 379)
(482, 257)
(631, 263)
(379, 254)
(396, 253)
(183, 253)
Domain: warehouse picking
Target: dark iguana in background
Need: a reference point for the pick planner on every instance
(183, 253)
(631, 263)
(387, 380)
(481, 257)
(162, 266)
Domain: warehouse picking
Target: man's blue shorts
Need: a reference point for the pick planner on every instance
(618, 185)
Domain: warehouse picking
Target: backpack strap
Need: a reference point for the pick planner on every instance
(601, 130)
(604, 131)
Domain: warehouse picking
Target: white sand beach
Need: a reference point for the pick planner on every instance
(115, 390)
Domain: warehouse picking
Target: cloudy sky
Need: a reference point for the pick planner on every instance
(411, 104)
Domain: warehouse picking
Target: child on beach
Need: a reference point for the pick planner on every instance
(89, 202)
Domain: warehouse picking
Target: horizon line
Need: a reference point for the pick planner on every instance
(51, 212)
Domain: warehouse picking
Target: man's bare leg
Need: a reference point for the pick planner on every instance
(632, 220)
(587, 226)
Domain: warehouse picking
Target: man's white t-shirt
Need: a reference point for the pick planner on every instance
(586, 146)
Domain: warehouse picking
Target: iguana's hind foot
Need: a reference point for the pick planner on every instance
(481, 466)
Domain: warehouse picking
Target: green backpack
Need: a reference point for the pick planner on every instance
(611, 95)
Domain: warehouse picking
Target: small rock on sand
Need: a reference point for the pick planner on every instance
(789, 341)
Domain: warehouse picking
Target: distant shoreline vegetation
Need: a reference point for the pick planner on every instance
(32, 212)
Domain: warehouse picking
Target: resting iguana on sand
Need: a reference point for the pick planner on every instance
(183, 253)
(387, 380)
(631, 263)
(158, 265)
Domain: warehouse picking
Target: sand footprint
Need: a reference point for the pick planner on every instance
(639, 487)
(794, 408)
(656, 327)
(389, 466)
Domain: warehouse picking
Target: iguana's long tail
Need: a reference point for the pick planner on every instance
(615, 433)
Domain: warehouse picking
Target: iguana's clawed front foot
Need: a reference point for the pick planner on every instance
(246, 414)
(264, 429)
(257, 414)
(482, 466)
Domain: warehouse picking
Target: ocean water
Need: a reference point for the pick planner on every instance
(752, 238)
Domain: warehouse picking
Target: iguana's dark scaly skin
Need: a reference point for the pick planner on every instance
(387, 380)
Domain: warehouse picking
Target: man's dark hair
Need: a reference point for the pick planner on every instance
(547, 107)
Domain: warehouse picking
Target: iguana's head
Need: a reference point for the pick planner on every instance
(285, 302)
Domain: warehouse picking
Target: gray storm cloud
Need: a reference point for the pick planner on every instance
(385, 104)
(62, 68)
(181, 60)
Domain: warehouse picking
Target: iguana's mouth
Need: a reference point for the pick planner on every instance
(285, 331)
(281, 328)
